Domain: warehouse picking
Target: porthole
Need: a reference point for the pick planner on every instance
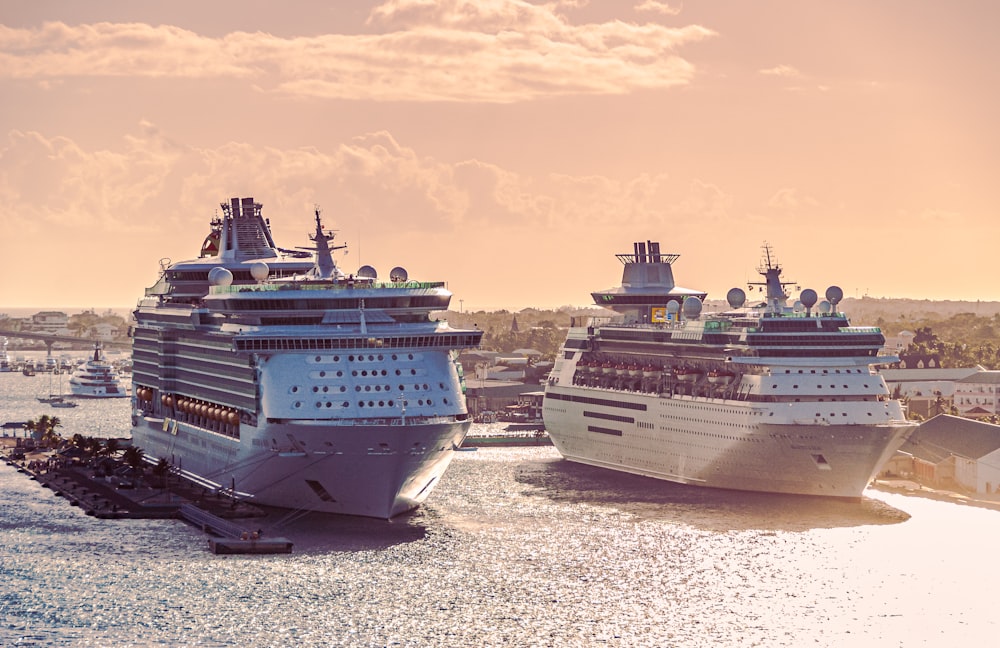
(340, 373)
(319, 404)
(322, 374)
(398, 372)
(413, 372)
(336, 358)
(343, 388)
(319, 358)
(361, 403)
(345, 404)
(315, 389)
(350, 358)
(325, 389)
(329, 404)
(297, 404)
(357, 388)
(381, 403)
(392, 404)
(368, 388)
(294, 389)
(354, 373)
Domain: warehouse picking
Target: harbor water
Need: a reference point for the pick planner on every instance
(515, 547)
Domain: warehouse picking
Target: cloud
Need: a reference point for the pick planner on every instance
(786, 71)
(455, 50)
(789, 200)
(149, 182)
(654, 6)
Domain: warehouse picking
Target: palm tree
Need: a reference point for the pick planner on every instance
(135, 458)
(111, 447)
(44, 430)
(162, 472)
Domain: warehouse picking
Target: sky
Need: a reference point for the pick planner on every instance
(507, 147)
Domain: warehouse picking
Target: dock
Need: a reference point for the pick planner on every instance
(214, 513)
(231, 538)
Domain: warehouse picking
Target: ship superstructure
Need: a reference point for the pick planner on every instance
(274, 375)
(762, 397)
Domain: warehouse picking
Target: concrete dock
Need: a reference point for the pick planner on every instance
(227, 520)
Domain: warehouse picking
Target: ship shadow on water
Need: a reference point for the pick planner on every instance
(323, 532)
(713, 509)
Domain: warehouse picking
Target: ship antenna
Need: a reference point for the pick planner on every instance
(770, 269)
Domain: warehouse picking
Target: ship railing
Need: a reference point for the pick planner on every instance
(340, 285)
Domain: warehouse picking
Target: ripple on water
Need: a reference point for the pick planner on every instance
(514, 547)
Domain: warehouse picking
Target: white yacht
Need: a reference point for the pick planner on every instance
(97, 378)
(766, 397)
(279, 378)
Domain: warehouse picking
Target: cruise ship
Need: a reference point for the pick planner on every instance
(764, 396)
(95, 378)
(270, 374)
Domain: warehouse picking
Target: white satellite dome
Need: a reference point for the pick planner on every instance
(259, 271)
(219, 276)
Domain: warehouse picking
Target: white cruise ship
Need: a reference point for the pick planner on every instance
(261, 371)
(762, 397)
(97, 378)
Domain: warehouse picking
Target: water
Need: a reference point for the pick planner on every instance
(515, 547)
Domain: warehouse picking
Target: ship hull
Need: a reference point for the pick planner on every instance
(718, 443)
(375, 471)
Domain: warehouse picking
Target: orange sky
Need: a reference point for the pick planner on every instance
(509, 148)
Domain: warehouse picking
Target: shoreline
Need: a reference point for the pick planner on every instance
(915, 489)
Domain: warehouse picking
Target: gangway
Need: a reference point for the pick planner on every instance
(229, 537)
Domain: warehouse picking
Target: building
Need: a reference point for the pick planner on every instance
(978, 394)
(928, 392)
(953, 453)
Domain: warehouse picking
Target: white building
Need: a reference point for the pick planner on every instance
(978, 395)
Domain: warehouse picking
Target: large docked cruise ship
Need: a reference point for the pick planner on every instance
(274, 374)
(762, 397)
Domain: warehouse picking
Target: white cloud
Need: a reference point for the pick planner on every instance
(149, 182)
(655, 6)
(457, 50)
(786, 71)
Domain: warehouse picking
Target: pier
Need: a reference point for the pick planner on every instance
(213, 513)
